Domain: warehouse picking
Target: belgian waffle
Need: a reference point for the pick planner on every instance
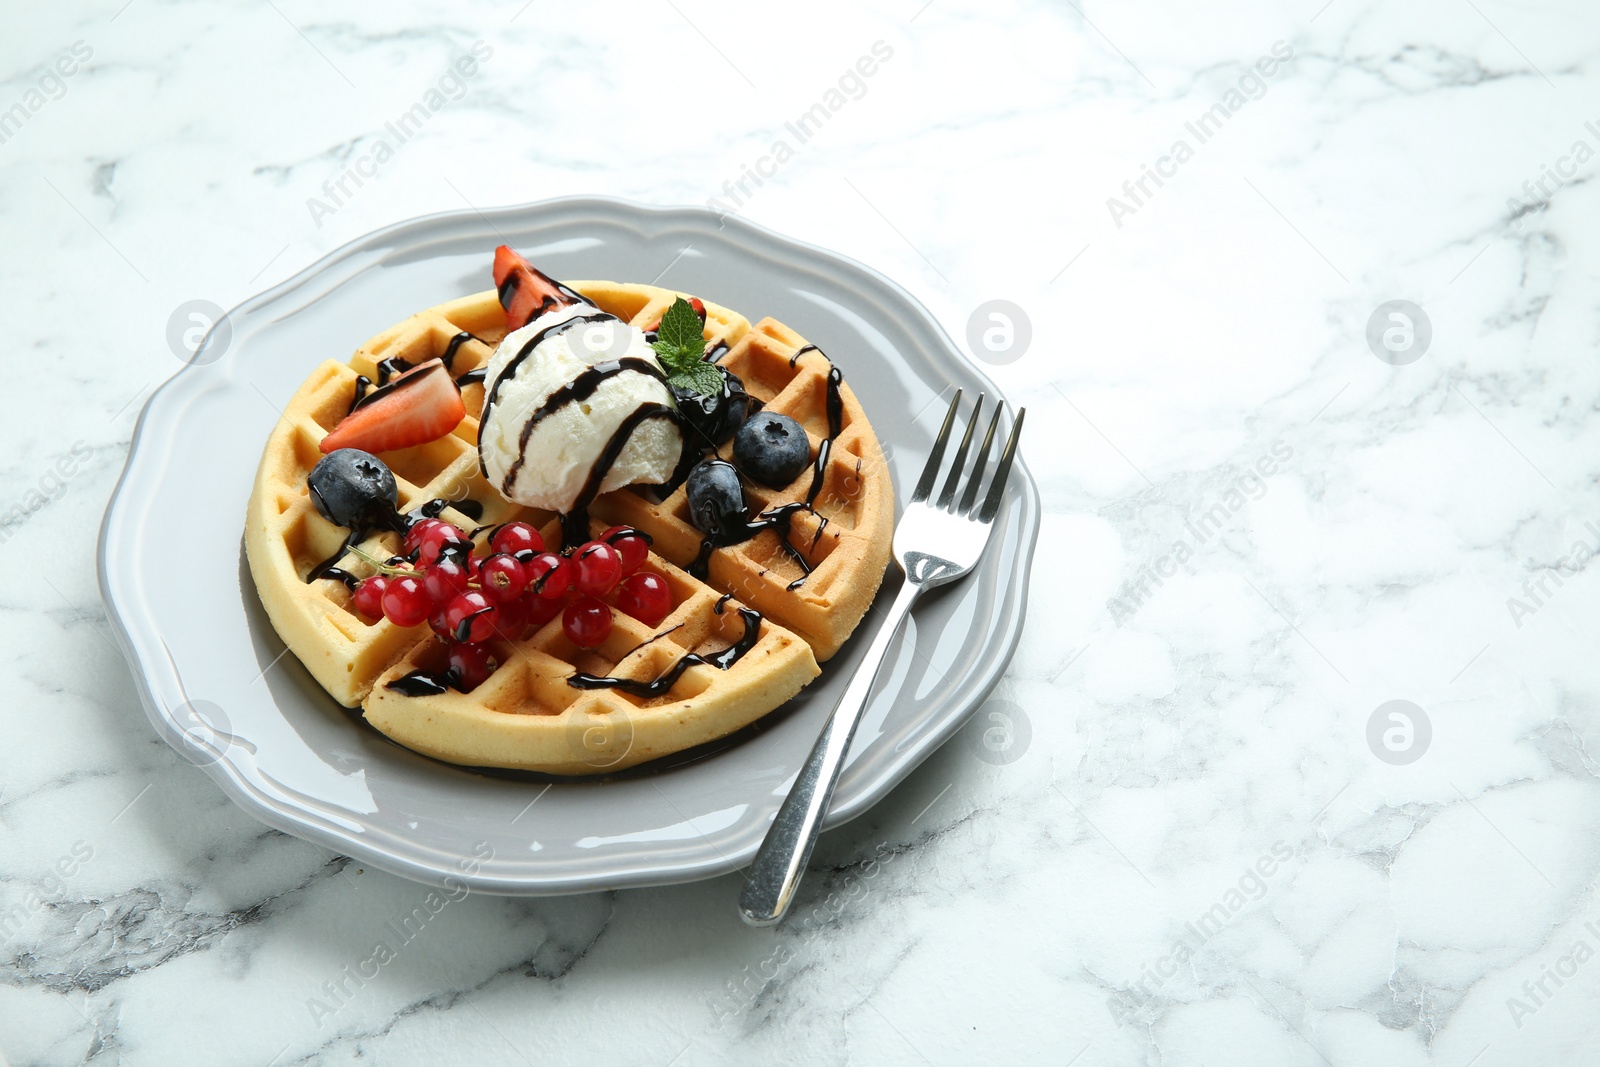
(793, 606)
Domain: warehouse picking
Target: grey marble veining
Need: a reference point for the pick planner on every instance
(1176, 836)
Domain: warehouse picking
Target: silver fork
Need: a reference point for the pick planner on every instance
(935, 543)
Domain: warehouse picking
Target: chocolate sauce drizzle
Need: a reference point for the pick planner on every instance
(420, 684)
(720, 660)
(395, 366)
(647, 642)
(391, 379)
(328, 569)
(630, 531)
(576, 391)
(510, 371)
(389, 368)
(363, 386)
(835, 406)
(471, 377)
(575, 523)
(508, 289)
(780, 518)
(800, 352)
(449, 357)
(472, 509)
(337, 574)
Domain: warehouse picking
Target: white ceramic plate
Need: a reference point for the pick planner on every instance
(218, 686)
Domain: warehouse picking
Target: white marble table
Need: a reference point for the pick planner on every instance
(1206, 842)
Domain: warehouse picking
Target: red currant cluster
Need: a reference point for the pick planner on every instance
(469, 599)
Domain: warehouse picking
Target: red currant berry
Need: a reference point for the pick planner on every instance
(439, 539)
(406, 601)
(503, 578)
(646, 597)
(516, 537)
(438, 623)
(511, 618)
(446, 580)
(540, 609)
(596, 568)
(369, 596)
(630, 544)
(586, 622)
(549, 575)
(471, 665)
(412, 541)
(471, 618)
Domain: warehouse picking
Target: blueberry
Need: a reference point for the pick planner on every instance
(716, 499)
(713, 419)
(353, 488)
(772, 449)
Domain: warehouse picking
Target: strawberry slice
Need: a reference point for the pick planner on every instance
(419, 406)
(526, 292)
(694, 302)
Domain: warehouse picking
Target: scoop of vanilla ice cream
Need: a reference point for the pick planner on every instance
(566, 443)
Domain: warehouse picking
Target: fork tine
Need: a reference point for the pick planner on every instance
(931, 471)
(947, 496)
(973, 482)
(991, 503)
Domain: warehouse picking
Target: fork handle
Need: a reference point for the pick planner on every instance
(781, 861)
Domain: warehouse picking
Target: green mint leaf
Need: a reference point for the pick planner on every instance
(672, 359)
(681, 346)
(681, 331)
(701, 377)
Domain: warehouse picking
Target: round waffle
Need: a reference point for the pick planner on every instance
(793, 601)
